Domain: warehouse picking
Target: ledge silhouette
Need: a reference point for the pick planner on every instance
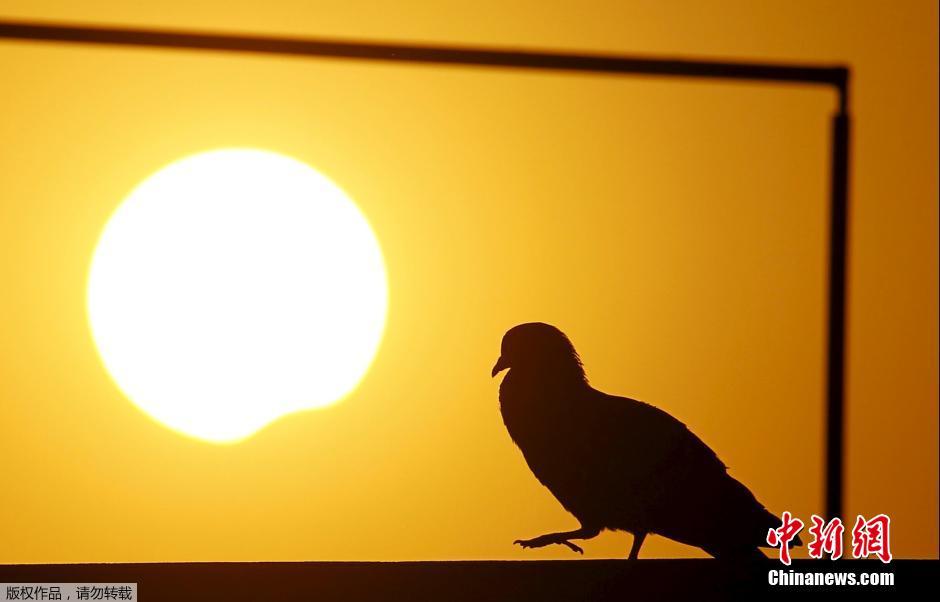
(699, 579)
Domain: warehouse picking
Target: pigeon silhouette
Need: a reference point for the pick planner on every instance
(617, 463)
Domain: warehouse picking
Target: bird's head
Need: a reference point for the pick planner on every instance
(542, 349)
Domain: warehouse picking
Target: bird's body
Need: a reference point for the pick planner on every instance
(617, 463)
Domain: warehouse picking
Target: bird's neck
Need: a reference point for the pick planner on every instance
(535, 382)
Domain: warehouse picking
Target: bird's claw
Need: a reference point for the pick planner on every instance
(545, 540)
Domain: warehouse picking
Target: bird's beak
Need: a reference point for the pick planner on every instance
(500, 366)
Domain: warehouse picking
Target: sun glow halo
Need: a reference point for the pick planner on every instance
(233, 287)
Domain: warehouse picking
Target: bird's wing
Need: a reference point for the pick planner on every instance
(631, 462)
(632, 443)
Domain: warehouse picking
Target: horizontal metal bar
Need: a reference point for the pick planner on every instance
(428, 54)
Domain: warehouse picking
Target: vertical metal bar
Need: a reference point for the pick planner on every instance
(838, 244)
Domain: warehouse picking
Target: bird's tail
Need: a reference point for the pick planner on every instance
(758, 520)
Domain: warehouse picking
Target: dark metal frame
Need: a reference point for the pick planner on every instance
(836, 77)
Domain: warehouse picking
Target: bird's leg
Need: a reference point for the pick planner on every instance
(638, 539)
(560, 538)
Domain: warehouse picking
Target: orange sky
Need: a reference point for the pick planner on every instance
(675, 230)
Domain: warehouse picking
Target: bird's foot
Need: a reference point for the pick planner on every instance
(546, 540)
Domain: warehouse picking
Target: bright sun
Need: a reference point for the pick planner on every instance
(233, 287)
